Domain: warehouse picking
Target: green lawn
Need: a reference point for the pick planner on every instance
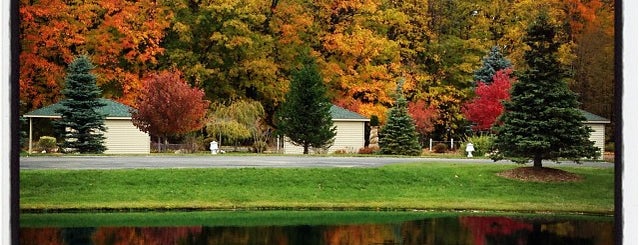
(438, 186)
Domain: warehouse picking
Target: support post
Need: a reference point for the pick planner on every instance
(451, 143)
(30, 135)
(430, 144)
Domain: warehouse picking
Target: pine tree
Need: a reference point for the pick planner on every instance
(81, 126)
(305, 116)
(491, 64)
(398, 136)
(542, 120)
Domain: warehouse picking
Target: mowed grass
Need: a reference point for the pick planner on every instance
(436, 186)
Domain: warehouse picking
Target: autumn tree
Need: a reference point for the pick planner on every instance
(486, 107)
(81, 126)
(424, 116)
(305, 115)
(224, 48)
(491, 64)
(168, 106)
(242, 119)
(123, 39)
(542, 120)
(398, 136)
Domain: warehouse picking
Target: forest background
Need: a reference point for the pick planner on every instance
(237, 50)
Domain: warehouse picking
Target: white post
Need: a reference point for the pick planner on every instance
(278, 144)
(30, 136)
(451, 143)
(430, 144)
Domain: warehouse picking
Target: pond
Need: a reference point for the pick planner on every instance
(311, 227)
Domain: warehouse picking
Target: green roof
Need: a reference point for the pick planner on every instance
(339, 113)
(593, 118)
(111, 109)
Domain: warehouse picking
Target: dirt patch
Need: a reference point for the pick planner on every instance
(540, 175)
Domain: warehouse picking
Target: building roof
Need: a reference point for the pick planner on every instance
(592, 118)
(111, 109)
(341, 114)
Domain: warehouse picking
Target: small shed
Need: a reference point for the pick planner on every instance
(122, 137)
(350, 129)
(598, 124)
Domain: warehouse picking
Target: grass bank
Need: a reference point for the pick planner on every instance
(438, 186)
(259, 218)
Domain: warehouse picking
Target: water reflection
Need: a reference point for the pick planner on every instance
(448, 230)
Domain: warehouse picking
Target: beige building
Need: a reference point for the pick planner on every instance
(598, 124)
(350, 138)
(122, 137)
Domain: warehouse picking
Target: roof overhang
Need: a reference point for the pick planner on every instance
(58, 117)
(597, 122)
(351, 120)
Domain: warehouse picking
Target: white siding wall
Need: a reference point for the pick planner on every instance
(598, 136)
(122, 137)
(349, 137)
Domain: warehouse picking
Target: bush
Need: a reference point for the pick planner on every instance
(609, 147)
(483, 144)
(368, 150)
(259, 146)
(440, 148)
(47, 143)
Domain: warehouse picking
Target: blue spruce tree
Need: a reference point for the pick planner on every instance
(81, 126)
(398, 136)
(491, 64)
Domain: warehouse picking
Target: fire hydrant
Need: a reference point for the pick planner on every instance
(470, 149)
(213, 147)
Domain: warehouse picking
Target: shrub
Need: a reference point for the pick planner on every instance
(374, 121)
(483, 144)
(340, 151)
(259, 146)
(610, 147)
(440, 148)
(368, 150)
(47, 143)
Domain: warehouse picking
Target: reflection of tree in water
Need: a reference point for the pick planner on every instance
(78, 236)
(40, 236)
(502, 230)
(444, 230)
(537, 236)
(496, 227)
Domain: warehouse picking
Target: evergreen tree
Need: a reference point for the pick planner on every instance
(81, 126)
(542, 120)
(491, 64)
(305, 116)
(398, 136)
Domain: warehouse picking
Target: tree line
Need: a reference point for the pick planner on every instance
(245, 50)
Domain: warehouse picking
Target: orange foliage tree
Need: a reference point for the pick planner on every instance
(121, 37)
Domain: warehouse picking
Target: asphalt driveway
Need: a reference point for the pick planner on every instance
(231, 161)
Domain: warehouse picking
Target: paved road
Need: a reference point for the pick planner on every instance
(229, 161)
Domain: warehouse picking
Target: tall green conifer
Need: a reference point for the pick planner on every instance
(542, 120)
(398, 135)
(81, 126)
(305, 116)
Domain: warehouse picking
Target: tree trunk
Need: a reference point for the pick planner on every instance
(306, 146)
(537, 162)
(159, 144)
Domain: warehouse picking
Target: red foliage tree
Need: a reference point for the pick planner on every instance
(481, 227)
(484, 109)
(424, 116)
(168, 106)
